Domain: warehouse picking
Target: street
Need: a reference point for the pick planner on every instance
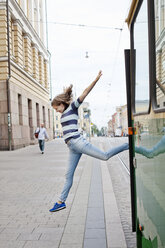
(30, 183)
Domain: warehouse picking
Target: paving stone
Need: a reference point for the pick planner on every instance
(27, 236)
(96, 213)
(4, 222)
(2, 229)
(12, 244)
(51, 230)
(72, 238)
(74, 229)
(74, 220)
(41, 244)
(71, 246)
(95, 233)
(96, 243)
(9, 236)
(18, 230)
(51, 236)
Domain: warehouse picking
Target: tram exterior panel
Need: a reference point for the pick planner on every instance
(146, 21)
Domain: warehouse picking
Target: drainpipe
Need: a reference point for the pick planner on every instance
(8, 80)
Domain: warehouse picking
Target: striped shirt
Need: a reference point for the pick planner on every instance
(69, 119)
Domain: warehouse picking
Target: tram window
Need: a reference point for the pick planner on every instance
(160, 52)
(142, 60)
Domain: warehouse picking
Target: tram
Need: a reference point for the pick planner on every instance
(145, 81)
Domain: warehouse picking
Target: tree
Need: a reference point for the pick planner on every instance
(94, 130)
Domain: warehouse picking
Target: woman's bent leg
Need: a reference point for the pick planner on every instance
(74, 158)
(118, 149)
(87, 148)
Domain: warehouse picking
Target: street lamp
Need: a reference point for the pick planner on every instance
(86, 56)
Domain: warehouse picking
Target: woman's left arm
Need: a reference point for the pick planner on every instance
(90, 87)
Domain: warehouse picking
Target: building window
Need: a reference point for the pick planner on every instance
(41, 20)
(12, 39)
(30, 112)
(46, 74)
(43, 112)
(20, 109)
(56, 125)
(35, 16)
(37, 115)
(24, 55)
(49, 117)
(32, 60)
(56, 118)
(28, 8)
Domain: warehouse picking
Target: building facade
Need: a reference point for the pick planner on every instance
(24, 86)
(58, 133)
(118, 125)
(110, 129)
(84, 119)
(124, 120)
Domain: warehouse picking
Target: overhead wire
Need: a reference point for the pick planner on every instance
(115, 58)
(79, 25)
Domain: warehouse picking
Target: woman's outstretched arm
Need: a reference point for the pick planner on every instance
(90, 87)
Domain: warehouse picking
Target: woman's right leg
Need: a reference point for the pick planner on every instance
(74, 158)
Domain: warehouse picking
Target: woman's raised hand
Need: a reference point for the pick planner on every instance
(99, 75)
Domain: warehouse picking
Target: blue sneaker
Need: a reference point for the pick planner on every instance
(58, 206)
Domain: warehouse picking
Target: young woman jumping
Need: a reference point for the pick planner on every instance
(76, 143)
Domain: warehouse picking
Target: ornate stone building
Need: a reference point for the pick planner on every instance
(58, 133)
(24, 86)
(119, 121)
(84, 119)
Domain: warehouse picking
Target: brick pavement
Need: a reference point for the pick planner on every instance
(29, 185)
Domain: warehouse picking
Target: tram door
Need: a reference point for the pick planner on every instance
(145, 77)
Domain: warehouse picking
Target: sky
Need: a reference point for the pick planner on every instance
(69, 44)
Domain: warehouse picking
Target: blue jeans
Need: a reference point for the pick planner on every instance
(80, 146)
(41, 145)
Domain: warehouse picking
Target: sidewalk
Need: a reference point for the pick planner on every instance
(30, 184)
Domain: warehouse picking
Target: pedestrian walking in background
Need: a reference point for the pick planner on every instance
(76, 143)
(42, 135)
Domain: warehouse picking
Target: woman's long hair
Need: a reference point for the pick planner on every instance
(64, 98)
